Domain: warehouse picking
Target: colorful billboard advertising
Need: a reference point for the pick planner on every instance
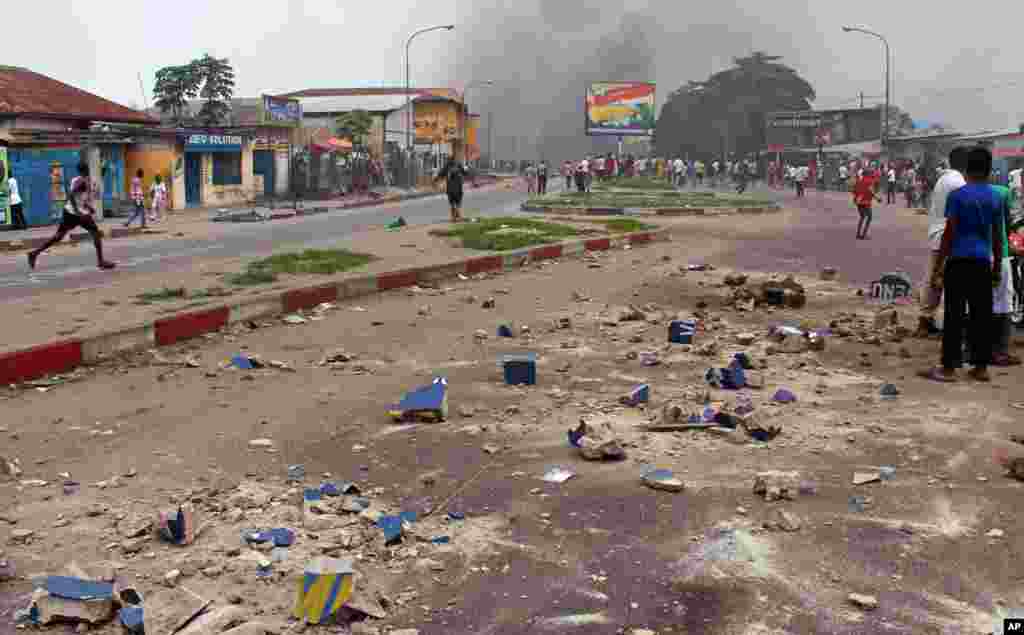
(280, 111)
(620, 109)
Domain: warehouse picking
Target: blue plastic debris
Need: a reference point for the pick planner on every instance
(520, 369)
(575, 434)
(682, 331)
(133, 619)
(281, 537)
(392, 526)
(783, 395)
(744, 361)
(334, 489)
(640, 394)
(430, 401)
(457, 515)
(505, 330)
(242, 362)
(71, 588)
(663, 480)
(441, 540)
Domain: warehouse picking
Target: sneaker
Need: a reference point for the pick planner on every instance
(106, 264)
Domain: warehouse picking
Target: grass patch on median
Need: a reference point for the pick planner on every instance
(161, 295)
(315, 261)
(649, 199)
(506, 233)
(624, 225)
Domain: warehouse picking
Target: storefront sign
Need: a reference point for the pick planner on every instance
(280, 111)
(213, 143)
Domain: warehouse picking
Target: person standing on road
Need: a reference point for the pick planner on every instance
(700, 172)
(158, 197)
(864, 195)
(588, 177)
(800, 175)
(567, 172)
(542, 178)
(971, 243)
(17, 211)
(890, 189)
(138, 200)
(531, 179)
(1003, 295)
(455, 175)
(78, 212)
(931, 294)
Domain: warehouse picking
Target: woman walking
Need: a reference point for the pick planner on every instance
(158, 195)
(138, 200)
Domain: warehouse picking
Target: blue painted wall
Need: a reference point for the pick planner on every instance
(32, 169)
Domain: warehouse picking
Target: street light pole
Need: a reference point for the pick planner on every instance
(408, 100)
(888, 81)
(465, 112)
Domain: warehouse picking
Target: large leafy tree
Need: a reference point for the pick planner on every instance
(355, 126)
(726, 112)
(218, 79)
(175, 85)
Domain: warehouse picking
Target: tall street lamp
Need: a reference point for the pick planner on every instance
(465, 112)
(885, 121)
(408, 96)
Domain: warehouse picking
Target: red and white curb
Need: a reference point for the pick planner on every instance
(63, 356)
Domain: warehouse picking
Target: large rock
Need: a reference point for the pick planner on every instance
(599, 442)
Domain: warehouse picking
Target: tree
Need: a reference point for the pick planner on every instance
(218, 79)
(726, 113)
(175, 85)
(355, 126)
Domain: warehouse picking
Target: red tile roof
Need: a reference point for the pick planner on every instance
(23, 92)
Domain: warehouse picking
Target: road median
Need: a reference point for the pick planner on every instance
(427, 266)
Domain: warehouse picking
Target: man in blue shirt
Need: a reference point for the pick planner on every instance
(970, 244)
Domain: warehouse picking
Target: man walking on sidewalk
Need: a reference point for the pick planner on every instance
(951, 180)
(972, 242)
(78, 212)
(17, 212)
(890, 189)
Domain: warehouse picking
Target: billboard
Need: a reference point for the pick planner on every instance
(280, 111)
(813, 128)
(620, 109)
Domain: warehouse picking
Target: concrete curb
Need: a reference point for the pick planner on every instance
(64, 355)
(77, 237)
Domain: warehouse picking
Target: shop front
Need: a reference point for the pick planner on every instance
(270, 161)
(217, 169)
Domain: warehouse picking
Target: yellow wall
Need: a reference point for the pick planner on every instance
(437, 122)
(152, 159)
(213, 195)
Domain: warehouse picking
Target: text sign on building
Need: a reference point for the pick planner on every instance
(213, 143)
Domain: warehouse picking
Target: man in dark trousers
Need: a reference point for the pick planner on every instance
(455, 173)
(972, 241)
(78, 212)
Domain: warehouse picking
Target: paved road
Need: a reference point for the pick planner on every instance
(820, 233)
(75, 267)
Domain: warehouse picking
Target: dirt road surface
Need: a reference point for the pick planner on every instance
(598, 554)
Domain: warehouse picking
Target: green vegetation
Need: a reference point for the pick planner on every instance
(160, 295)
(315, 261)
(624, 225)
(504, 233)
(648, 199)
(633, 183)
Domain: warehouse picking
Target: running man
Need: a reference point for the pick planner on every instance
(78, 212)
(863, 196)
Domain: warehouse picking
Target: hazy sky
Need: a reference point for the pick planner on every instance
(103, 45)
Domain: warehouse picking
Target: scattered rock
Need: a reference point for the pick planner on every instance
(134, 545)
(9, 468)
(489, 303)
(772, 490)
(745, 339)
(886, 317)
(866, 602)
(467, 411)
(21, 536)
(261, 443)
(171, 577)
(598, 442)
(491, 448)
(829, 273)
(736, 280)
(424, 310)
(663, 480)
(995, 533)
(783, 520)
(863, 478)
